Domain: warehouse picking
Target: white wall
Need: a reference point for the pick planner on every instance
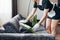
(5, 10)
(23, 8)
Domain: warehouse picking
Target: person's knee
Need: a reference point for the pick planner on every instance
(47, 27)
(53, 28)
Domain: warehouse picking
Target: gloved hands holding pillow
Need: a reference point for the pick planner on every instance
(36, 27)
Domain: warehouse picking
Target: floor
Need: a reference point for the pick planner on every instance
(58, 37)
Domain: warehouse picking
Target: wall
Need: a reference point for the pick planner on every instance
(23, 8)
(5, 10)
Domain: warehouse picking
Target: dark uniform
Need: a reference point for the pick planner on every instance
(54, 10)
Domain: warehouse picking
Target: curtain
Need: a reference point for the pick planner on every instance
(14, 8)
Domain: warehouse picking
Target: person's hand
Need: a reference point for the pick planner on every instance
(36, 27)
(23, 21)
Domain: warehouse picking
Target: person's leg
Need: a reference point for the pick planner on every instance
(48, 25)
(54, 24)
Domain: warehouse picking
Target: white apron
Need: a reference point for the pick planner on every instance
(52, 12)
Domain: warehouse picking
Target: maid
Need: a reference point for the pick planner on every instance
(51, 12)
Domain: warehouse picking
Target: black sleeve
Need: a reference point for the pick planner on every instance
(47, 5)
(35, 5)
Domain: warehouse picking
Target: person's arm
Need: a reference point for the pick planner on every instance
(37, 25)
(44, 16)
(31, 14)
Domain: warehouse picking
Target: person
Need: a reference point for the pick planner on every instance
(51, 13)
